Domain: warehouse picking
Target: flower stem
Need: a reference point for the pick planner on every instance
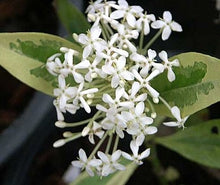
(75, 136)
(109, 143)
(97, 146)
(116, 144)
(141, 38)
(152, 41)
(165, 102)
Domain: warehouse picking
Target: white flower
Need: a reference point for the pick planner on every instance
(54, 64)
(95, 130)
(167, 24)
(84, 163)
(168, 65)
(80, 94)
(110, 163)
(64, 92)
(119, 72)
(180, 121)
(145, 82)
(133, 96)
(124, 10)
(115, 103)
(91, 41)
(110, 52)
(137, 158)
(124, 36)
(143, 22)
(94, 71)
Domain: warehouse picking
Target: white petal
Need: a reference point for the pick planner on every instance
(61, 81)
(171, 124)
(151, 54)
(127, 156)
(78, 77)
(107, 99)
(116, 155)
(121, 62)
(89, 171)
(123, 3)
(134, 148)
(103, 157)
(82, 155)
(131, 19)
(158, 24)
(140, 139)
(167, 16)
(87, 51)
(146, 28)
(127, 75)
(95, 32)
(171, 75)
(83, 64)
(145, 154)
(85, 105)
(115, 81)
(83, 39)
(117, 14)
(176, 112)
(175, 63)
(135, 88)
(119, 166)
(101, 108)
(139, 109)
(151, 130)
(152, 91)
(141, 97)
(77, 164)
(163, 56)
(95, 162)
(176, 26)
(166, 33)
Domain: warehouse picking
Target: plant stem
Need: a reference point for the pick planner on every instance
(141, 38)
(73, 137)
(97, 146)
(152, 41)
(116, 144)
(165, 103)
(109, 143)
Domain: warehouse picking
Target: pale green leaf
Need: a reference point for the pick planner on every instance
(24, 56)
(197, 84)
(72, 18)
(199, 143)
(119, 178)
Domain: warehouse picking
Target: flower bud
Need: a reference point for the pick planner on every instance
(67, 134)
(153, 115)
(60, 124)
(59, 143)
(85, 131)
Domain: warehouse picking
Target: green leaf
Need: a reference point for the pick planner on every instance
(197, 84)
(199, 143)
(73, 19)
(24, 56)
(119, 178)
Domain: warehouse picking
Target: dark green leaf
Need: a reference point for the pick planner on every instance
(197, 84)
(71, 17)
(199, 143)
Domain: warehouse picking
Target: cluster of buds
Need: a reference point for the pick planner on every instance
(113, 75)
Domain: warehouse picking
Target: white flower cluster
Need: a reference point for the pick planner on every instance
(113, 75)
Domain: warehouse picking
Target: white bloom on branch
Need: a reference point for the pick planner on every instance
(84, 163)
(180, 121)
(110, 163)
(91, 41)
(167, 24)
(79, 96)
(144, 21)
(168, 65)
(137, 158)
(126, 11)
(119, 72)
(144, 82)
